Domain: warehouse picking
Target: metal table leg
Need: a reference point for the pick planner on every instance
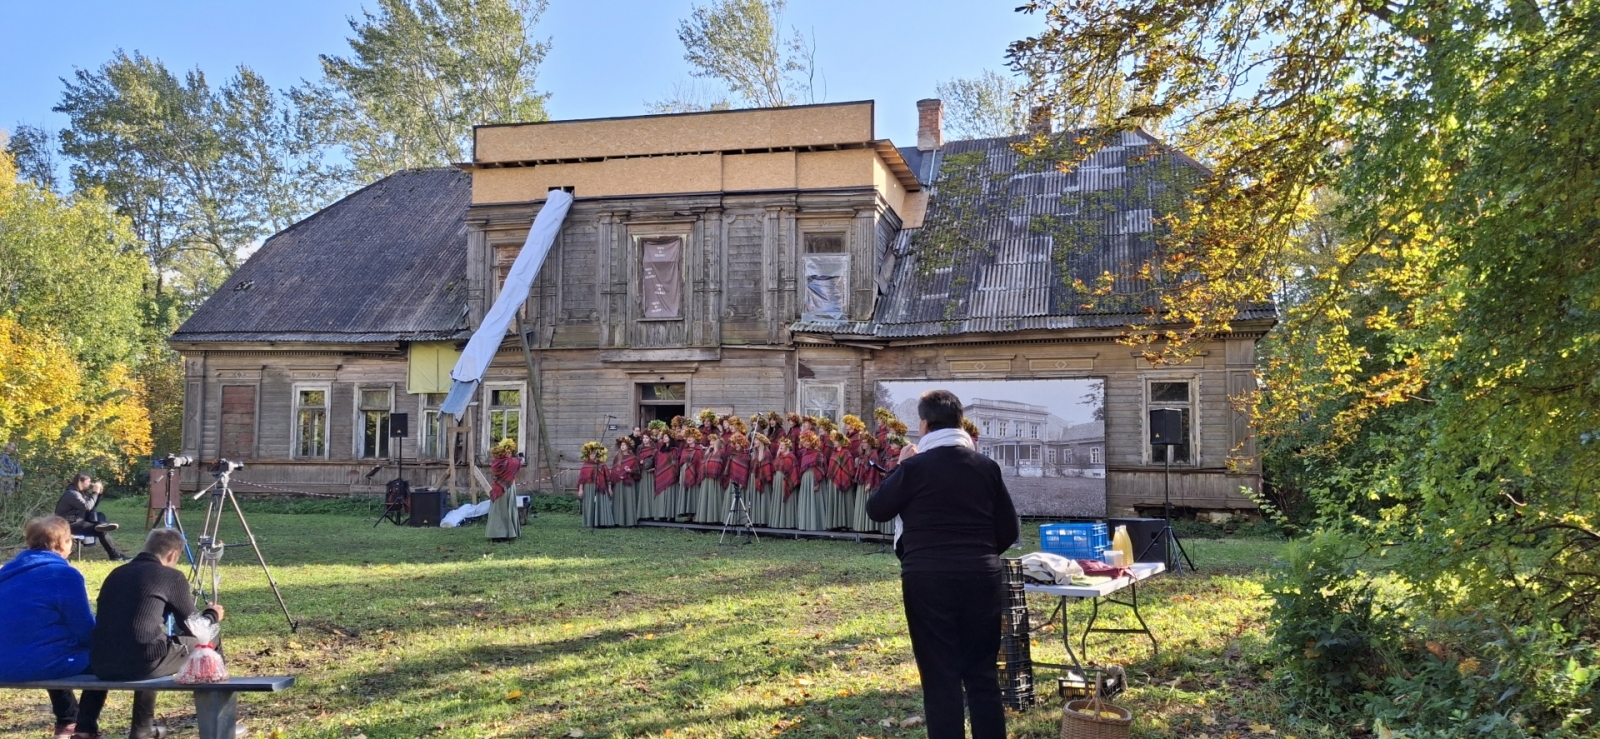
(1132, 603)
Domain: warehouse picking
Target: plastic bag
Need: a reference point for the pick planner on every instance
(204, 664)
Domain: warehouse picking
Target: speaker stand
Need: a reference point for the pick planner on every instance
(1177, 556)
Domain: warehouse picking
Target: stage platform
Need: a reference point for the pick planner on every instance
(872, 537)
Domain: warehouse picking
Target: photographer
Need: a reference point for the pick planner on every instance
(955, 518)
(77, 504)
(130, 640)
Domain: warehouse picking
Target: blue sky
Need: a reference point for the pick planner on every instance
(609, 56)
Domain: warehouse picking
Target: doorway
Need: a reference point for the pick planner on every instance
(661, 401)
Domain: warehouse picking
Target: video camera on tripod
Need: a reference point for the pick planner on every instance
(174, 461)
(226, 466)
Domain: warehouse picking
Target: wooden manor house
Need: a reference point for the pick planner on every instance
(745, 261)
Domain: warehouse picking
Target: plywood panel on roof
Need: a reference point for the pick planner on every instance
(770, 171)
(847, 168)
(767, 128)
(651, 176)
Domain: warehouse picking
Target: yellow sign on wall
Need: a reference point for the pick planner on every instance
(430, 365)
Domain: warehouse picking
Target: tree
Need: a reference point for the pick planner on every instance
(740, 44)
(987, 106)
(1439, 352)
(70, 267)
(422, 73)
(201, 174)
(33, 150)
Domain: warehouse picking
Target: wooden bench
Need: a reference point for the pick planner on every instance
(216, 706)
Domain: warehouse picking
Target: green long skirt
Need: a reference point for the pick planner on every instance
(502, 523)
(625, 502)
(810, 515)
(644, 496)
(707, 502)
(785, 509)
(599, 509)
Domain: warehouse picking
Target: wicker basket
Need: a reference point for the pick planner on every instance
(1082, 720)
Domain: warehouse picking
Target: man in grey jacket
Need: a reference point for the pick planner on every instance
(77, 506)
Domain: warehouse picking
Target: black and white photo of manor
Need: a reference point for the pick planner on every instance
(1049, 437)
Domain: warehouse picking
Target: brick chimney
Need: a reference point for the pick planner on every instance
(1040, 121)
(930, 124)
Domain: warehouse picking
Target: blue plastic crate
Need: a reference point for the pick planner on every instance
(1074, 540)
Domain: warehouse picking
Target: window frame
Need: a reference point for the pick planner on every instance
(425, 439)
(294, 418)
(803, 385)
(842, 257)
(636, 266)
(1192, 406)
(488, 407)
(358, 441)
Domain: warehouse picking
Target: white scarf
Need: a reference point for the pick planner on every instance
(934, 440)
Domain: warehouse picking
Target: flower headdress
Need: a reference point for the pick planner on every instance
(898, 427)
(594, 451)
(503, 448)
(625, 442)
(708, 416)
(795, 419)
(896, 441)
(740, 441)
(884, 415)
(738, 425)
(853, 423)
(809, 440)
(761, 439)
(657, 425)
(839, 439)
(678, 422)
(968, 426)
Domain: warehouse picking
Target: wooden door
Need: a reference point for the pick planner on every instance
(238, 422)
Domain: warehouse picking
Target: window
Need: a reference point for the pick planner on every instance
(373, 416)
(1097, 456)
(1033, 433)
(310, 422)
(1052, 455)
(1174, 395)
(661, 277)
(822, 399)
(433, 427)
(826, 267)
(1003, 425)
(504, 416)
(986, 430)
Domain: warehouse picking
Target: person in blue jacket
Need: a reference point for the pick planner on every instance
(45, 624)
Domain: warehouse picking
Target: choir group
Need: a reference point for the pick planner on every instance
(796, 472)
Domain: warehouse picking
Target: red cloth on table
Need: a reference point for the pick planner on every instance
(1096, 568)
(505, 471)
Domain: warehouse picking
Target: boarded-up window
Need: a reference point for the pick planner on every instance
(826, 286)
(823, 400)
(505, 255)
(238, 421)
(661, 277)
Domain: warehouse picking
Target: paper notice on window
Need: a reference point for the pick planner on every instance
(825, 287)
(662, 268)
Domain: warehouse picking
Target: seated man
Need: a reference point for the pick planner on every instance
(130, 640)
(77, 506)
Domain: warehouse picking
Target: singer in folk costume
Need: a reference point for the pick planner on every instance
(502, 523)
(624, 476)
(594, 487)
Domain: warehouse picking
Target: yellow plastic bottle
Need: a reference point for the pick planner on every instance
(1123, 543)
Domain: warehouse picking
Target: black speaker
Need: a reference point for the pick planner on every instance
(399, 425)
(1166, 426)
(427, 506)
(1143, 532)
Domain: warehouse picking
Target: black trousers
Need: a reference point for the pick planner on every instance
(954, 619)
(144, 701)
(65, 707)
(86, 528)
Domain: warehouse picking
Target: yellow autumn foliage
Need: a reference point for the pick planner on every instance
(51, 407)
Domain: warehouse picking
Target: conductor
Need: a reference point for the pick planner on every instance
(955, 518)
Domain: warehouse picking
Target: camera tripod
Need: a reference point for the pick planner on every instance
(169, 510)
(211, 547)
(739, 509)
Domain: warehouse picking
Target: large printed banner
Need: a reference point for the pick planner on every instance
(1049, 436)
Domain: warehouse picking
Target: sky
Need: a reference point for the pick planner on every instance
(609, 57)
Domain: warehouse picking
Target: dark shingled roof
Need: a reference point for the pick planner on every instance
(387, 263)
(1025, 230)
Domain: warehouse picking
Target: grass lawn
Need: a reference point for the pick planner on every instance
(648, 632)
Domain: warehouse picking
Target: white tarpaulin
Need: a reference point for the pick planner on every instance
(486, 340)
